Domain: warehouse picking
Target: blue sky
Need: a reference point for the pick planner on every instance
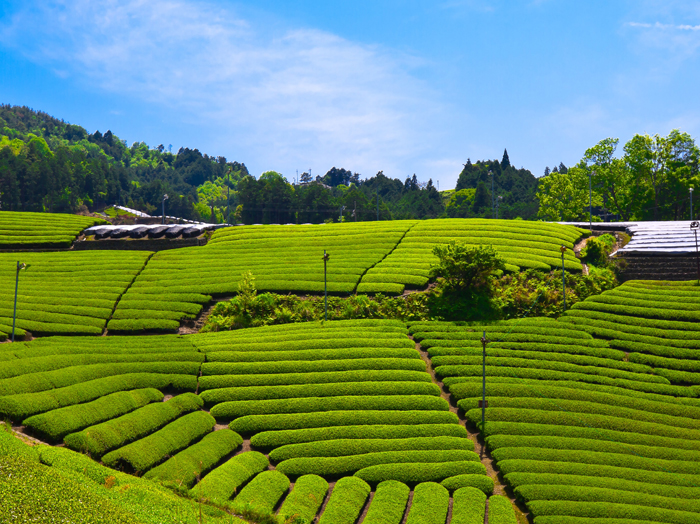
(401, 86)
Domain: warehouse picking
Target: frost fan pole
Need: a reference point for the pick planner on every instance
(563, 275)
(14, 313)
(694, 226)
(482, 403)
(326, 256)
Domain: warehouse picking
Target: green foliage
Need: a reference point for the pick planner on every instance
(469, 505)
(388, 504)
(430, 504)
(346, 502)
(481, 482)
(466, 268)
(98, 440)
(221, 483)
(143, 454)
(501, 510)
(419, 472)
(305, 499)
(264, 491)
(188, 465)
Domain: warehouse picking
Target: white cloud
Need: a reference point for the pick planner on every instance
(293, 98)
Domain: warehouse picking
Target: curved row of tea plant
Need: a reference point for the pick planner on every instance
(26, 230)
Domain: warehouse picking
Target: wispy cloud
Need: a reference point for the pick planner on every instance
(665, 27)
(288, 98)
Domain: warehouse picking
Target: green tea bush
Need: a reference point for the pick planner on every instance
(468, 506)
(98, 440)
(56, 424)
(388, 504)
(344, 465)
(221, 483)
(305, 499)
(355, 446)
(241, 408)
(419, 472)
(346, 502)
(481, 482)
(255, 423)
(184, 468)
(501, 510)
(153, 449)
(271, 439)
(430, 504)
(318, 366)
(608, 511)
(264, 491)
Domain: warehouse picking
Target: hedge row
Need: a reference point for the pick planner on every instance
(311, 354)
(597, 470)
(56, 424)
(343, 465)
(497, 348)
(624, 321)
(355, 446)
(528, 493)
(608, 511)
(272, 439)
(576, 407)
(515, 338)
(255, 423)
(102, 438)
(264, 491)
(637, 311)
(466, 373)
(317, 366)
(603, 395)
(480, 482)
(430, 504)
(640, 374)
(663, 490)
(141, 325)
(523, 429)
(60, 378)
(214, 396)
(221, 483)
(346, 502)
(501, 510)
(288, 379)
(534, 355)
(163, 344)
(535, 416)
(388, 504)
(153, 449)
(305, 499)
(501, 332)
(242, 408)
(19, 407)
(414, 473)
(594, 457)
(468, 506)
(192, 463)
(30, 365)
(646, 449)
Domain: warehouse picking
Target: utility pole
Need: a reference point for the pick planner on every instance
(493, 197)
(563, 274)
(326, 256)
(165, 197)
(20, 266)
(691, 203)
(590, 200)
(694, 226)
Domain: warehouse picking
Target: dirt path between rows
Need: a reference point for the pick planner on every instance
(499, 486)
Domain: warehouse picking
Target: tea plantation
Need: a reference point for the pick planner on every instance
(591, 418)
(23, 230)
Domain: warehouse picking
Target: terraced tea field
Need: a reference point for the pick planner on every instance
(23, 230)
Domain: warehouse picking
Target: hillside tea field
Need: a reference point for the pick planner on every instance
(24, 230)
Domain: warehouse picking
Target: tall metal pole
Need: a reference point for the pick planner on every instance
(493, 201)
(14, 312)
(563, 274)
(694, 226)
(590, 201)
(691, 203)
(326, 256)
(483, 388)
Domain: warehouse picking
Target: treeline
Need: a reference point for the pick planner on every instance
(47, 164)
(651, 180)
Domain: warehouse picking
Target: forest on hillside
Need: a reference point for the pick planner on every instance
(47, 164)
